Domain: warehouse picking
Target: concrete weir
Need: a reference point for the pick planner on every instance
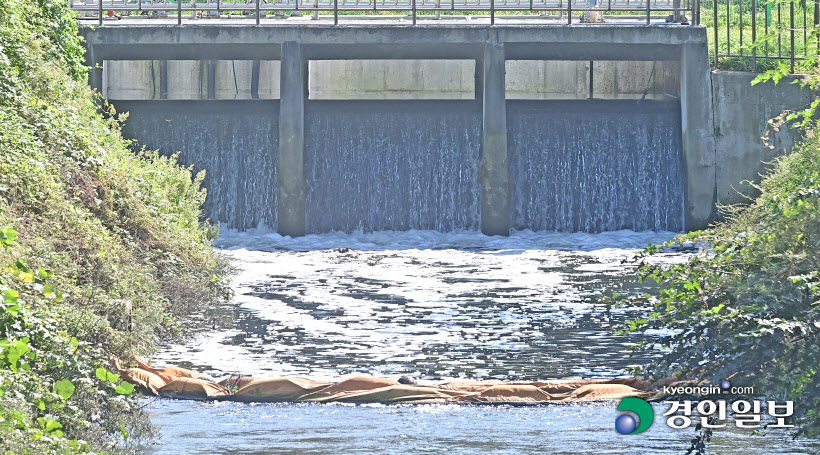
(486, 58)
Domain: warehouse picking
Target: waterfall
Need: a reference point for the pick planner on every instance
(392, 165)
(575, 165)
(595, 166)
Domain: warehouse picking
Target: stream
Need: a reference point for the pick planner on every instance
(435, 306)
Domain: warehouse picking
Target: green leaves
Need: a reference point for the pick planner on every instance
(11, 296)
(64, 388)
(747, 305)
(7, 236)
(107, 376)
(50, 427)
(15, 354)
(109, 222)
(125, 388)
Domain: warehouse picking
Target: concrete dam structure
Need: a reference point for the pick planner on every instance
(321, 128)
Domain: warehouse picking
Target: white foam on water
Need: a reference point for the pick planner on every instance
(262, 239)
(457, 304)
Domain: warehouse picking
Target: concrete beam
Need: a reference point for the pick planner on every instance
(291, 167)
(493, 173)
(697, 128)
(585, 51)
(389, 42)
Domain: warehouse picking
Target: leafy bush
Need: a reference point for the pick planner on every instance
(103, 251)
(747, 306)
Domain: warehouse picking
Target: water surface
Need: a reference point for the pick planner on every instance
(436, 306)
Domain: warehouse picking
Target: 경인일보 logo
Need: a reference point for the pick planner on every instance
(625, 423)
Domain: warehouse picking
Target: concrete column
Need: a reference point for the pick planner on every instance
(255, 80)
(211, 79)
(95, 72)
(479, 79)
(291, 168)
(493, 173)
(698, 136)
(163, 79)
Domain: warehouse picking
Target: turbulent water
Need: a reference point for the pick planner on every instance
(425, 303)
(436, 306)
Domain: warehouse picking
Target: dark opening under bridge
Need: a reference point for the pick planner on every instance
(474, 158)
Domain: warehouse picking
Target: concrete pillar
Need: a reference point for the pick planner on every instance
(479, 79)
(493, 173)
(255, 80)
(95, 71)
(163, 79)
(211, 79)
(291, 169)
(698, 136)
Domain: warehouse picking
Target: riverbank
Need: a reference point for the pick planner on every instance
(746, 307)
(101, 250)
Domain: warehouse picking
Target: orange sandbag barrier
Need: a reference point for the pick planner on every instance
(237, 381)
(511, 394)
(279, 389)
(185, 384)
(171, 371)
(598, 391)
(193, 389)
(144, 379)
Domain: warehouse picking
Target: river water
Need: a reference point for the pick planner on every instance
(436, 306)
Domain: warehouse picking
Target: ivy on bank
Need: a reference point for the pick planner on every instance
(41, 368)
(102, 250)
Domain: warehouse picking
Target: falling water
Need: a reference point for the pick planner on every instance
(588, 166)
(595, 166)
(234, 142)
(392, 165)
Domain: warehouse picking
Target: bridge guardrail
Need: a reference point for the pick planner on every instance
(785, 31)
(644, 10)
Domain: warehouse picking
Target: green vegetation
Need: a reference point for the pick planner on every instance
(101, 250)
(764, 25)
(747, 305)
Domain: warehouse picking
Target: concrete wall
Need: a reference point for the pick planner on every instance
(188, 79)
(566, 79)
(233, 79)
(131, 80)
(390, 79)
(741, 118)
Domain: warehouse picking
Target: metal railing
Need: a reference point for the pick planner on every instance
(783, 31)
(644, 10)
